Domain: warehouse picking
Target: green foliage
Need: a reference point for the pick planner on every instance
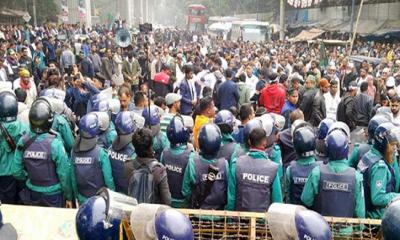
(46, 10)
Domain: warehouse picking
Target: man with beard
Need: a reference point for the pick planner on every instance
(318, 105)
(173, 102)
(395, 106)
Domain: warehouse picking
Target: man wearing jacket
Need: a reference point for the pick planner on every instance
(318, 105)
(273, 96)
(190, 91)
(228, 93)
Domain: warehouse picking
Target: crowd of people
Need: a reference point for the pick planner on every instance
(183, 120)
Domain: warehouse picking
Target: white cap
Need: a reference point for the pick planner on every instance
(390, 82)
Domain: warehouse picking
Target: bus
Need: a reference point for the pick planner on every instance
(253, 31)
(196, 18)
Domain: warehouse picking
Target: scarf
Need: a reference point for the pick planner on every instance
(25, 86)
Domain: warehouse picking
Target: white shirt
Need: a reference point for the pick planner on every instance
(396, 119)
(31, 93)
(331, 104)
(251, 83)
(3, 74)
(192, 89)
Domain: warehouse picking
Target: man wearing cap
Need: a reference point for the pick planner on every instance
(26, 83)
(318, 105)
(173, 102)
(273, 96)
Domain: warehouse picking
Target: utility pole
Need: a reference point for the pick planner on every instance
(353, 6)
(34, 12)
(258, 8)
(282, 20)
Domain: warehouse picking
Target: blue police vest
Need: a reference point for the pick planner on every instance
(363, 148)
(217, 198)
(159, 149)
(102, 140)
(226, 151)
(365, 167)
(40, 167)
(89, 176)
(336, 193)
(254, 179)
(298, 178)
(176, 166)
(117, 160)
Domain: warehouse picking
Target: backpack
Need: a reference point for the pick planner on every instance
(142, 185)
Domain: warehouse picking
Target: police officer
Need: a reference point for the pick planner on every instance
(255, 180)
(250, 125)
(111, 106)
(59, 94)
(271, 126)
(107, 130)
(40, 158)
(91, 166)
(160, 140)
(175, 158)
(379, 175)
(298, 171)
(11, 130)
(320, 146)
(230, 149)
(335, 189)
(360, 149)
(122, 149)
(206, 177)
(61, 125)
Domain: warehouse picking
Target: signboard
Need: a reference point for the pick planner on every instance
(26, 17)
(43, 223)
(64, 11)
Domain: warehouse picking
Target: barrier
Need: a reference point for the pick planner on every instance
(210, 224)
(59, 224)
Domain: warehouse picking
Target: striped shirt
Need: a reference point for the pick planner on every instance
(165, 120)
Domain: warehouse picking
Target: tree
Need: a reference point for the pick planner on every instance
(46, 10)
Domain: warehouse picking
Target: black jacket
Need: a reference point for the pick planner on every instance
(307, 102)
(345, 111)
(363, 105)
(318, 109)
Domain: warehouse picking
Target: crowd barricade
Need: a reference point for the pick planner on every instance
(59, 223)
(210, 224)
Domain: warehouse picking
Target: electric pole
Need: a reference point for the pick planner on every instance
(282, 20)
(353, 6)
(34, 12)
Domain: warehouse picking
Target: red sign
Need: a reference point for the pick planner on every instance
(197, 19)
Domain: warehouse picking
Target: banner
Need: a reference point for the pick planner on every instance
(64, 11)
(82, 8)
(302, 3)
(42, 223)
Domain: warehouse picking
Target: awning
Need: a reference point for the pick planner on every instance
(307, 35)
(389, 26)
(12, 12)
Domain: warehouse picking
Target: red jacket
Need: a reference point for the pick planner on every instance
(162, 77)
(273, 97)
